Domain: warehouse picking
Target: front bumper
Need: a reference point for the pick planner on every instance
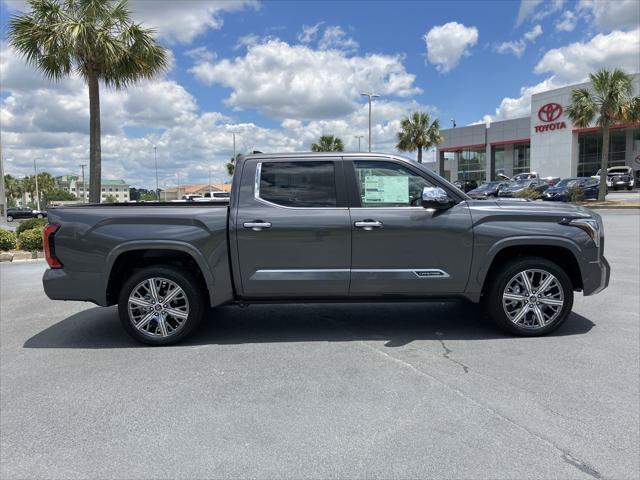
(85, 287)
(595, 276)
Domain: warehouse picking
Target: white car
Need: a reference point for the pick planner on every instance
(619, 177)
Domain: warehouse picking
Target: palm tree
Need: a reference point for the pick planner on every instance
(328, 143)
(95, 39)
(231, 165)
(609, 102)
(418, 132)
(13, 188)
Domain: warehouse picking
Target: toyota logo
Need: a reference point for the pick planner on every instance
(550, 112)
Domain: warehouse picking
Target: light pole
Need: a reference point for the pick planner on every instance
(370, 95)
(3, 196)
(210, 195)
(453, 122)
(359, 137)
(35, 169)
(84, 185)
(155, 158)
(234, 132)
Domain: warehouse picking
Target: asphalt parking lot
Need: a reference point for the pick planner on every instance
(324, 391)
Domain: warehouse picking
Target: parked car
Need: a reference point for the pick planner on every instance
(560, 192)
(487, 190)
(18, 213)
(551, 181)
(215, 197)
(325, 227)
(525, 176)
(466, 185)
(619, 177)
(518, 186)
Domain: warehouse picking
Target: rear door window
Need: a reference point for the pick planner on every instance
(309, 184)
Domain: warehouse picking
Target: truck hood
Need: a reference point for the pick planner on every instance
(530, 208)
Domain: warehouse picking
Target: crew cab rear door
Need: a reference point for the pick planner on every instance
(293, 229)
(398, 247)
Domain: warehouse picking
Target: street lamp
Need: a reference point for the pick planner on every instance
(370, 95)
(155, 157)
(359, 137)
(453, 122)
(35, 169)
(84, 185)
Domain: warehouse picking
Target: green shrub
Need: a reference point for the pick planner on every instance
(575, 194)
(31, 224)
(31, 240)
(7, 239)
(529, 193)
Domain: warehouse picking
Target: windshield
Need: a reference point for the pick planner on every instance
(489, 185)
(521, 183)
(568, 182)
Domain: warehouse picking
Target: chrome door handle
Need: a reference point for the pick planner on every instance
(256, 226)
(368, 224)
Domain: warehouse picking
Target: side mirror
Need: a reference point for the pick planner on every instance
(435, 198)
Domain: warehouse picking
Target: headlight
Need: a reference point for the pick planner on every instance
(589, 225)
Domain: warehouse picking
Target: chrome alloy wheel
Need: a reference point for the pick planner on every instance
(533, 298)
(158, 307)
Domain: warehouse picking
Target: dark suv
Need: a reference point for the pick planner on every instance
(17, 213)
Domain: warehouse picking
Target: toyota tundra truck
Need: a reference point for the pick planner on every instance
(314, 227)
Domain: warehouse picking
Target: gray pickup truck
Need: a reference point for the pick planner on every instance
(303, 227)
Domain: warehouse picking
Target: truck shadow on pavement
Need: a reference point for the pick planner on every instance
(395, 323)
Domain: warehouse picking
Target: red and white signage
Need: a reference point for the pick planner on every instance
(549, 114)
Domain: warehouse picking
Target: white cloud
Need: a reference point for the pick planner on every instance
(246, 41)
(296, 81)
(50, 121)
(181, 22)
(309, 33)
(572, 64)
(334, 37)
(201, 54)
(609, 15)
(448, 43)
(532, 34)
(567, 22)
(529, 9)
(174, 21)
(517, 47)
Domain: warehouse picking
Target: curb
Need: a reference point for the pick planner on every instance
(609, 207)
(11, 257)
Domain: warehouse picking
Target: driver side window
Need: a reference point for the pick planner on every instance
(388, 184)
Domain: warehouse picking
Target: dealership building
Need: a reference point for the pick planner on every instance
(545, 142)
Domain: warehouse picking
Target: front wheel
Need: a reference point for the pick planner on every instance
(9, 218)
(531, 296)
(160, 305)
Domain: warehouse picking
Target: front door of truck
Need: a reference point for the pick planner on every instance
(400, 248)
(293, 229)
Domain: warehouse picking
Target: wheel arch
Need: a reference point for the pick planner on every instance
(562, 252)
(127, 257)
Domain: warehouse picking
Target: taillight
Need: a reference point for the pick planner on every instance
(49, 248)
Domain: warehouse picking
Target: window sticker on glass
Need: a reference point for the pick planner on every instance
(385, 189)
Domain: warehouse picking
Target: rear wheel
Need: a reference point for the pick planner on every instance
(9, 218)
(530, 296)
(39, 216)
(160, 305)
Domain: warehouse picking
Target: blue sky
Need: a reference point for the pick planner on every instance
(282, 73)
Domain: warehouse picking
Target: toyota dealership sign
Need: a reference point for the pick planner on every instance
(549, 114)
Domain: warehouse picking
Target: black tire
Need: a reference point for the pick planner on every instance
(629, 188)
(9, 218)
(194, 295)
(498, 283)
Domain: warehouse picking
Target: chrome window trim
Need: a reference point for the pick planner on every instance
(256, 192)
